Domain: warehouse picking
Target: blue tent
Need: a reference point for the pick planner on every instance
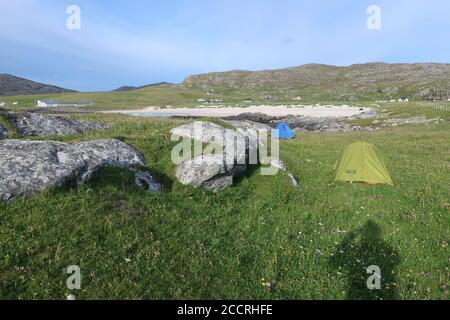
(282, 131)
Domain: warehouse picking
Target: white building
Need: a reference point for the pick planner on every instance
(48, 103)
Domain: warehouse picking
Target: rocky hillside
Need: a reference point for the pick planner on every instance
(356, 82)
(14, 86)
(131, 88)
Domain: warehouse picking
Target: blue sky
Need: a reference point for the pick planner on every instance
(140, 42)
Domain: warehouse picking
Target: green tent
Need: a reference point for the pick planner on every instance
(361, 162)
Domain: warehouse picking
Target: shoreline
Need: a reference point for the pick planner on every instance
(315, 111)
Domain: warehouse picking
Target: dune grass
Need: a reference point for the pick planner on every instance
(260, 239)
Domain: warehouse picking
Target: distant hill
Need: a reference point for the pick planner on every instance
(14, 86)
(351, 83)
(131, 88)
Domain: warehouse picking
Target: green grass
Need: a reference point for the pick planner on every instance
(8, 126)
(153, 96)
(188, 244)
(175, 95)
(404, 110)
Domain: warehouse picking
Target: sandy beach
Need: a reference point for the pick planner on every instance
(274, 111)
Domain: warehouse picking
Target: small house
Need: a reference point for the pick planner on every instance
(48, 103)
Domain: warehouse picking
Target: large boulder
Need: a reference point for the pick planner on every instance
(214, 134)
(204, 131)
(251, 129)
(35, 124)
(27, 167)
(243, 135)
(146, 181)
(209, 171)
(216, 172)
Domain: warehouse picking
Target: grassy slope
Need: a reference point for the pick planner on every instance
(186, 243)
(153, 96)
(162, 96)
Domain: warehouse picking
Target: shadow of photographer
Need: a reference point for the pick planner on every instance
(359, 250)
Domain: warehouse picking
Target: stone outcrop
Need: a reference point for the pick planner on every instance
(254, 117)
(145, 181)
(214, 134)
(302, 123)
(37, 124)
(27, 167)
(252, 130)
(216, 172)
(210, 172)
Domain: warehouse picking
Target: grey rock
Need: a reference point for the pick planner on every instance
(325, 124)
(294, 181)
(245, 126)
(210, 172)
(27, 167)
(367, 115)
(254, 117)
(211, 133)
(36, 124)
(145, 181)
(302, 123)
(253, 131)
(214, 172)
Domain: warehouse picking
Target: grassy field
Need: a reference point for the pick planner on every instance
(161, 96)
(153, 96)
(260, 239)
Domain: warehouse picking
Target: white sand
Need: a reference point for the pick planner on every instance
(275, 111)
